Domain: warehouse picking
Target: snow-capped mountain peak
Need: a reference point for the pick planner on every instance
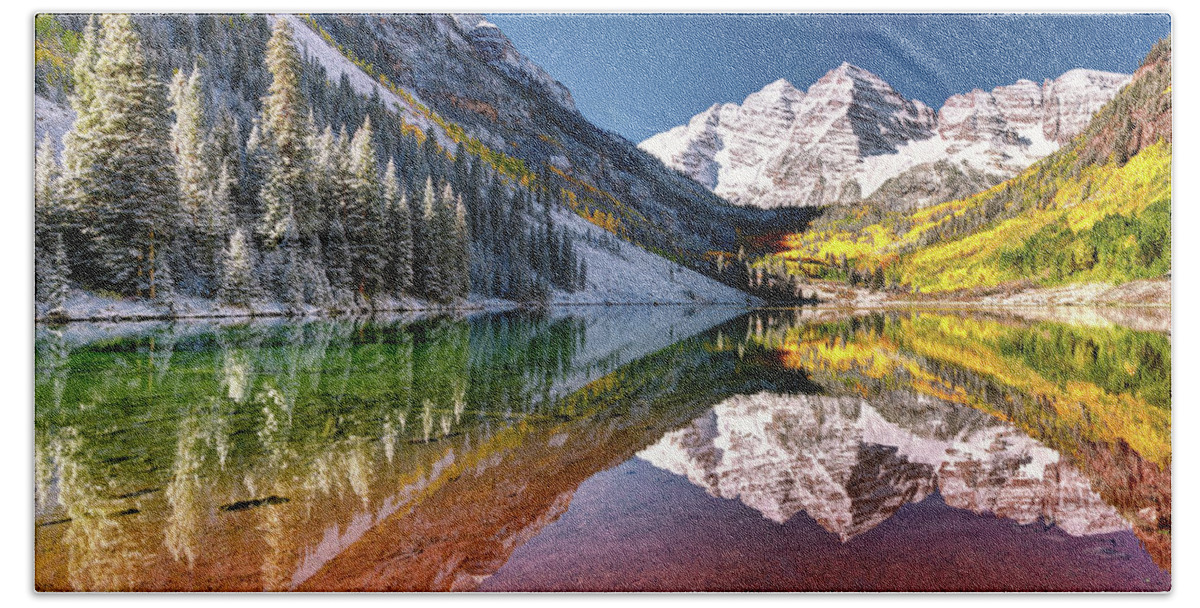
(851, 132)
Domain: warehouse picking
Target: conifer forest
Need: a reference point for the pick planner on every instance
(235, 171)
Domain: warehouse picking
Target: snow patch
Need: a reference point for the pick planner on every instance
(628, 274)
(313, 46)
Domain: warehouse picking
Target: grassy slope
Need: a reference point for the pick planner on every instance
(989, 257)
(1097, 210)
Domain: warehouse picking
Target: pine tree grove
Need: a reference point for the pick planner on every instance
(227, 171)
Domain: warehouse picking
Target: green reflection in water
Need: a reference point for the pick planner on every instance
(254, 456)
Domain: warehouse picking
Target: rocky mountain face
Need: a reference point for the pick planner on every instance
(850, 464)
(493, 46)
(851, 133)
(467, 71)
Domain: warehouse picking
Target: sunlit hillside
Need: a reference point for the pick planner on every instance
(1097, 211)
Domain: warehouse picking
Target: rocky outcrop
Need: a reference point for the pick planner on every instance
(928, 182)
(1139, 117)
(850, 465)
(852, 132)
(498, 51)
(1070, 100)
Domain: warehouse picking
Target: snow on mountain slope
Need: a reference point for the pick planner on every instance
(52, 118)
(851, 132)
(632, 275)
(336, 65)
(627, 274)
(485, 39)
(849, 466)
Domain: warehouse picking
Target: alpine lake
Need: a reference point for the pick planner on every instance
(617, 448)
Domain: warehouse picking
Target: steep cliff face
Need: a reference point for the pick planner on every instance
(850, 465)
(852, 132)
(1070, 100)
(494, 47)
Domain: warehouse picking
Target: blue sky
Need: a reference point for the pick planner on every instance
(641, 74)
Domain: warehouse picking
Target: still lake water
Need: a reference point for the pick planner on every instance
(623, 448)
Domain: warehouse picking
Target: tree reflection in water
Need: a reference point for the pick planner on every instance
(420, 455)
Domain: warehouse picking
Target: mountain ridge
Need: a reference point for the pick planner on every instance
(851, 132)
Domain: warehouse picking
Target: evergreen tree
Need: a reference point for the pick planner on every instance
(428, 248)
(237, 280)
(254, 171)
(877, 279)
(224, 148)
(337, 260)
(461, 171)
(79, 155)
(206, 182)
(363, 213)
(399, 240)
(446, 242)
(325, 164)
(118, 173)
(293, 277)
(434, 160)
(46, 201)
(461, 268)
(56, 278)
(317, 290)
(214, 225)
(287, 192)
(188, 140)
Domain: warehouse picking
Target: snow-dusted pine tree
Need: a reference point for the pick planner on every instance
(189, 140)
(249, 209)
(79, 155)
(46, 200)
(47, 214)
(445, 238)
(224, 147)
(363, 214)
(428, 247)
(293, 288)
(461, 251)
(218, 216)
(287, 192)
(237, 278)
(325, 163)
(399, 241)
(206, 182)
(119, 174)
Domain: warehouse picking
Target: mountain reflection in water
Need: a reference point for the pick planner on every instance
(492, 452)
(849, 467)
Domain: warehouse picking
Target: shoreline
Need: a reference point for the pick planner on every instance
(137, 311)
(1147, 295)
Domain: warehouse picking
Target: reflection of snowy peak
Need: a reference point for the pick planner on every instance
(849, 467)
(851, 132)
